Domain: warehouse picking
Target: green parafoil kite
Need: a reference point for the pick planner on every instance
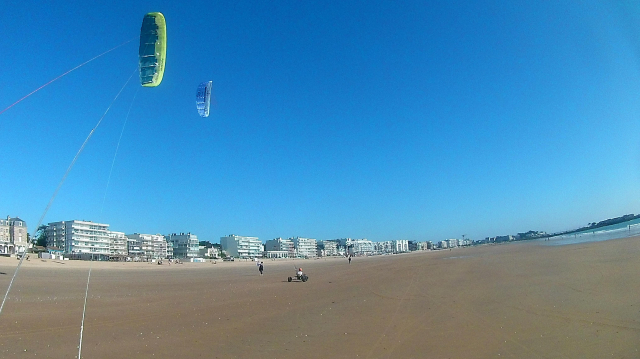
(153, 49)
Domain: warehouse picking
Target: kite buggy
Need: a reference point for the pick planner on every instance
(299, 276)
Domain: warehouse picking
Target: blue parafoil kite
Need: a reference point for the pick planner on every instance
(203, 98)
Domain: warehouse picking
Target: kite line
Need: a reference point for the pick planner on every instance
(64, 74)
(55, 193)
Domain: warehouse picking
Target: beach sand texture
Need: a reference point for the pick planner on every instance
(519, 300)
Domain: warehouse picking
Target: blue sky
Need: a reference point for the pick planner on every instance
(363, 119)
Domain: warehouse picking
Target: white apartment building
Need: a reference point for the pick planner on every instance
(117, 243)
(330, 247)
(80, 239)
(13, 235)
(242, 247)
(305, 247)
(169, 248)
(149, 246)
(400, 245)
(159, 246)
(359, 246)
(211, 252)
(281, 245)
(185, 245)
(134, 249)
(383, 247)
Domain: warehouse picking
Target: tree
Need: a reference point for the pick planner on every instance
(41, 236)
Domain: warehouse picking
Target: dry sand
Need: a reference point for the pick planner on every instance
(520, 300)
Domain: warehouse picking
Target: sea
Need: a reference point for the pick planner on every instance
(614, 231)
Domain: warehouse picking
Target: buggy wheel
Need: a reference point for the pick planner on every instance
(305, 278)
(289, 279)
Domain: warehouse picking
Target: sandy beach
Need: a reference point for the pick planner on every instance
(519, 300)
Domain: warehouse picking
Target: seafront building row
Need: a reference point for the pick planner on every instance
(79, 239)
(90, 240)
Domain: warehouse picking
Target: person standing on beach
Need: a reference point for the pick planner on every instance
(349, 259)
(261, 267)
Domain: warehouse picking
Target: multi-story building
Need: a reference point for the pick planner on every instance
(185, 245)
(209, 252)
(413, 246)
(400, 245)
(383, 247)
(242, 247)
(134, 249)
(281, 245)
(80, 239)
(169, 248)
(279, 248)
(305, 247)
(159, 246)
(464, 242)
(117, 243)
(148, 246)
(13, 235)
(500, 239)
(359, 246)
(6, 247)
(330, 247)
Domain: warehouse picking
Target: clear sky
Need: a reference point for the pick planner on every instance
(365, 119)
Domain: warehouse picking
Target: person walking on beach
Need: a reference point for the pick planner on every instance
(261, 267)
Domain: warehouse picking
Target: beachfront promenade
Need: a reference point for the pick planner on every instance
(520, 300)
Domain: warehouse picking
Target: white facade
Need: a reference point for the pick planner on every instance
(400, 245)
(169, 248)
(330, 247)
(359, 246)
(117, 243)
(305, 247)
(242, 247)
(13, 235)
(149, 246)
(464, 242)
(159, 246)
(185, 245)
(6, 247)
(281, 245)
(276, 254)
(383, 247)
(80, 239)
(211, 252)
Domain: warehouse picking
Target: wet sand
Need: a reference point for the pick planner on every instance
(519, 300)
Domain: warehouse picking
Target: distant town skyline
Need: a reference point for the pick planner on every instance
(592, 225)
